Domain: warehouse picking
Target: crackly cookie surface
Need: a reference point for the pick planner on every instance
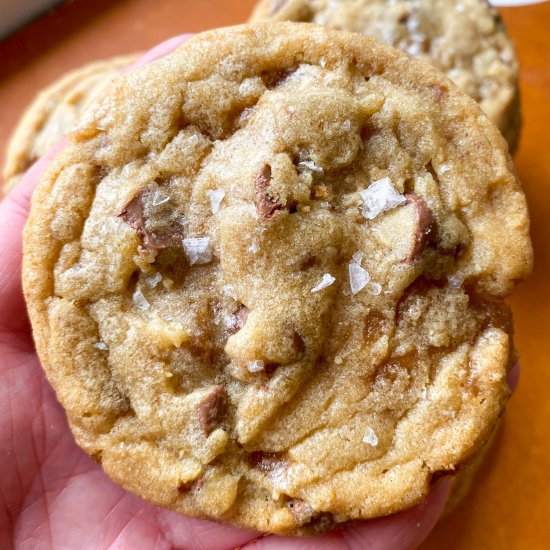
(54, 112)
(465, 39)
(266, 276)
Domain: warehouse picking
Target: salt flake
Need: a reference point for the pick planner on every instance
(230, 321)
(444, 168)
(140, 301)
(374, 289)
(153, 281)
(323, 62)
(357, 257)
(216, 197)
(256, 366)
(346, 125)
(455, 281)
(228, 290)
(327, 280)
(358, 277)
(310, 165)
(101, 345)
(254, 247)
(370, 438)
(379, 197)
(197, 250)
(160, 197)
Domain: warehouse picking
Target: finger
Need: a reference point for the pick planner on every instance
(14, 210)
(161, 50)
(403, 531)
(513, 377)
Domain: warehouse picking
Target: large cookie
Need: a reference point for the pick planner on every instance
(54, 111)
(266, 278)
(465, 39)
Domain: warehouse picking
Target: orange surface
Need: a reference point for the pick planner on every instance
(509, 507)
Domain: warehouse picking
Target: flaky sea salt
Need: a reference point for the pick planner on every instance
(346, 125)
(374, 288)
(444, 168)
(310, 165)
(230, 321)
(358, 277)
(455, 281)
(357, 257)
(256, 366)
(154, 280)
(379, 197)
(101, 345)
(254, 247)
(216, 197)
(228, 290)
(197, 250)
(327, 280)
(160, 197)
(423, 393)
(370, 438)
(182, 220)
(323, 62)
(291, 109)
(140, 301)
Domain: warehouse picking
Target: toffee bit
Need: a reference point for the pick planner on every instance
(266, 205)
(197, 250)
(216, 198)
(379, 197)
(327, 280)
(211, 410)
(370, 437)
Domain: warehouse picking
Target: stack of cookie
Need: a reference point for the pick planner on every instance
(266, 274)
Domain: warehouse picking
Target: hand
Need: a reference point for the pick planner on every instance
(54, 496)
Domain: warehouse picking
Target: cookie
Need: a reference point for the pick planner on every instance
(266, 278)
(54, 111)
(465, 39)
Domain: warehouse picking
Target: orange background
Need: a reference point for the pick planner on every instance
(509, 507)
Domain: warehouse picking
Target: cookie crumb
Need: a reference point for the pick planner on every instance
(216, 197)
(197, 250)
(370, 438)
(379, 197)
(327, 280)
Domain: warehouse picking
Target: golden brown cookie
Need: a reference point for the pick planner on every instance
(465, 39)
(266, 278)
(54, 111)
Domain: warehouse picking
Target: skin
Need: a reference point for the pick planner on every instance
(52, 495)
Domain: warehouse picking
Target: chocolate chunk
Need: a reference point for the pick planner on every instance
(212, 409)
(301, 510)
(153, 241)
(424, 225)
(266, 462)
(266, 205)
(242, 316)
